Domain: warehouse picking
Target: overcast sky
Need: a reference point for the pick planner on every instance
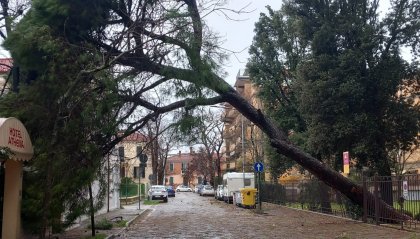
(238, 34)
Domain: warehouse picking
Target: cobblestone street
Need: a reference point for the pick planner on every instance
(190, 216)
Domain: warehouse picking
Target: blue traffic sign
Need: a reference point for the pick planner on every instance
(258, 167)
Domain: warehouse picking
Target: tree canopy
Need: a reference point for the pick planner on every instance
(100, 61)
(338, 67)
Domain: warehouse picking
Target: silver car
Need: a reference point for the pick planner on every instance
(207, 191)
(157, 192)
(183, 188)
(219, 193)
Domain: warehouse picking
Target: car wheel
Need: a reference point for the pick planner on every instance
(165, 199)
(177, 190)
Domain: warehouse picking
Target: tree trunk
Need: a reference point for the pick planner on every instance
(46, 203)
(92, 211)
(279, 140)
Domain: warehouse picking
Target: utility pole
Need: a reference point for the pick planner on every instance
(243, 149)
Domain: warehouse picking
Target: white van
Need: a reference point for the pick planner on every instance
(232, 182)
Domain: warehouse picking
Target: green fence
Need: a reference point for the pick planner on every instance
(131, 190)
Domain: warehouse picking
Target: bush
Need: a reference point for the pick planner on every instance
(355, 211)
(98, 236)
(121, 223)
(103, 224)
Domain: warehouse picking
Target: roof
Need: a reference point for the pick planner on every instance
(134, 137)
(5, 65)
(183, 157)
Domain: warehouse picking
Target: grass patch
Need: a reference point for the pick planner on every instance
(103, 224)
(121, 223)
(343, 236)
(150, 202)
(97, 236)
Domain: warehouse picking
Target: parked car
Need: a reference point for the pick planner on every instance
(219, 193)
(157, 192)
(171, 191)
(207, 190)
(183, 188)
(197, 188)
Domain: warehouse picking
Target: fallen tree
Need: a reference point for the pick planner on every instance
(170, 41)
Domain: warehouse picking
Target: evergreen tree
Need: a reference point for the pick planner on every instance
(154, 42)
(331, 57)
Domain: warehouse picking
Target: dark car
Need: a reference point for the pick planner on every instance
(171, 191)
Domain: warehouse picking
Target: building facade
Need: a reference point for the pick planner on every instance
(128, 151)
(178, 170)
(243, 140)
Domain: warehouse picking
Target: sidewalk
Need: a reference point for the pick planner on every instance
(128, 213)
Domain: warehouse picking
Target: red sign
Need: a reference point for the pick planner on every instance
(346, 158)
(346, 162)
(15, 138)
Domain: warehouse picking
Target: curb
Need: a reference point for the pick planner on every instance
(127, 224)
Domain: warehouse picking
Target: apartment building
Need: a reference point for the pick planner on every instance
(128, 151)
(178, 171)
(243, 140)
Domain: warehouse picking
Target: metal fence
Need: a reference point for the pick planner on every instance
(131, 190)
(402, 193)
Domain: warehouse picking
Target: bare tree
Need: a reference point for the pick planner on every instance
(210, 136)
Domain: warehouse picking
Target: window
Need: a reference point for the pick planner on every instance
(121, 153)
(122, 172)
(247, 182)
(171, 167)
(200, 180)
(171, 180)
(183, 167)
(136, 172)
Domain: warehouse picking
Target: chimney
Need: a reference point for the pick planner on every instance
(179, 152)
(191, 150)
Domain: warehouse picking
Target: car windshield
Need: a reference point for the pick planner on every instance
(209, 187)
(157, 188)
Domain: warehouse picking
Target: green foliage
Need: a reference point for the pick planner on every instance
(5, 153)
(329, 71)
(355, 211)
(67, 112)
(150, 202)
(97, 236)
(122, 223)
(103, 224)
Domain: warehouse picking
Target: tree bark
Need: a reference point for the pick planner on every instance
(279, 141)
(92, 211)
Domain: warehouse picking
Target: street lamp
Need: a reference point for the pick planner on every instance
(142, 165)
